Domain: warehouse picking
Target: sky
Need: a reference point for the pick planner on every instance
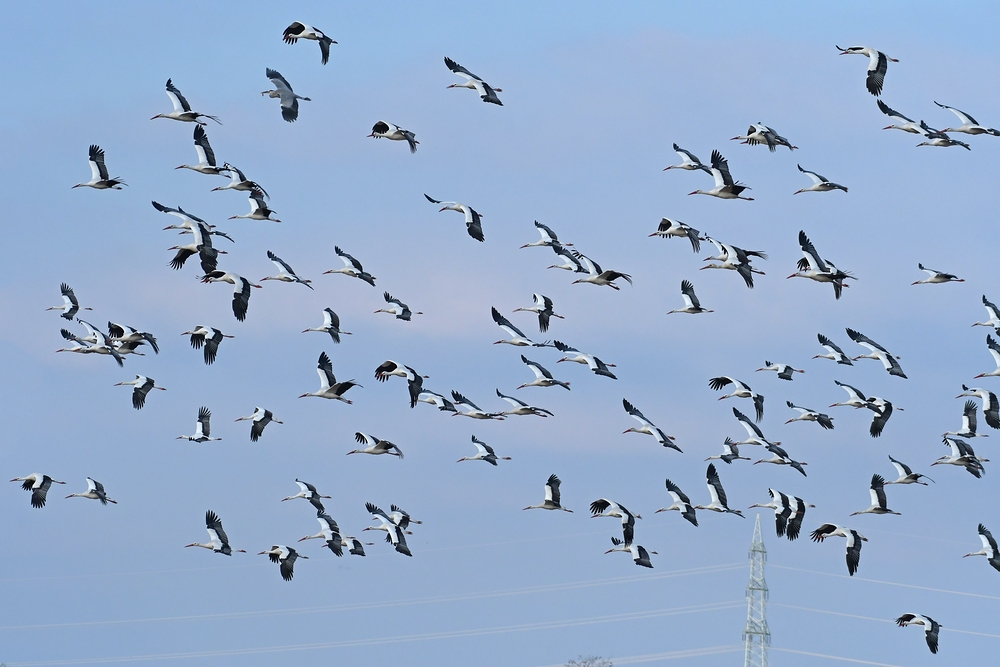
(593, 97)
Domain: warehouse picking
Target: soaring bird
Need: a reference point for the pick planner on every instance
(286, 273)
(95, 491)
(741, 390)
(298, 30)
(732, 258)
(991, 408)
(486, 93)
(883, 410)
(549, 238)
(201, 245)
(878, 505)
(964, 456)
(909, 125)
(931, 628)
(328, 385)
(182, 110)
(598, 276)
(692, 305)
(854, 540)
(725, 186)
(754, 435)
(124, 334)
(681, 503)
(820, 183)
(552, 496)
(780, 457)
(259, 210)
(217, 540)
(472, 410)
(968, 429)
(39, 485)
(808, 414)
(878, 62)
(99, 179)
(206, 156)
(282, 89)
(969, 124)
(936, 277)
(789, 512)
(833, 351)
(375, 446)
(260, 418)
(906, 475)
(352, 267)
(517, 336)
(329, 532)
(397, 308)
(241, 290)
(877, 352)
(473, 219)
(605, 507)
(939, 138)
(763, 135)
(394, 526)
(142, 386)
(816, 268)
(639, 554)
(543, 378)
(989, 548)
(484, 453)
(202, 429)
(730, 453)
(784, 371)
(520, 407)
(689, 161)
(209, 338)
(285, 557)
(414, 380)
(718, 495)
(576, 356)
(331, 325)
(308, 491)
(70, 306)
(542, 308)
(384, 130)
(647, 427)
(238, 181)
(669, 227)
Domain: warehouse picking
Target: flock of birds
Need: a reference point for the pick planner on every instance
(119, 341)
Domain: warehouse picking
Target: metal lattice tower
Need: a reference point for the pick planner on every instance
(756, 636)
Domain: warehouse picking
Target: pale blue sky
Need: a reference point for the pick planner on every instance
(593, 99)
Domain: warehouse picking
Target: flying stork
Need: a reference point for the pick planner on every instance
(808, 414)
(878, 62)
(754, 435)
(472, 410)
(414, 380)
(259, 209)
(639, 554)
(217, 540)
(648, 427)
(328, 385)
(395, 529)
(718, 494)
(473, 219)
(298, 30)
(854, 540)
(576, 356)
(543, 378)
(142, 386)
(681, 503)
(689, 161)
(780, 457)
(784, 371)
(202, 429)
(182, 110)
(730, 453)
(991, 408)
(816, 268)
(285, 557)
(833, 351)
(517, 337)
(484, 453)
(906, 475)
(99, 179)
(765, 136)
(936, 277)
(331, 325)
(877, 352)
(931, 628)
(95, 491)
(549, 238)
(309, 492)
(968, 429)
(989, 548)
(596, 275)
(238, 181)
(605, 507)
(820, 183)
(552, 496)
(209, 338)
(241, 290)
(725, 186)
(692, 305)
(352, 267)
(740, 390)
(260, 418)
(877, 491)
(329, 532)
(520, 407)
(384, 130)
(206, 156)
(39, 485)
(397, 308)
(669, 227)
(736, 259)
(375, 446)
(969, 124)
(542, 308)
(486, 93)
(70, 306)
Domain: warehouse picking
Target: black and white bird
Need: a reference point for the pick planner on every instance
(740, 390)
(725, 186)
(121, 333)
(833, 351)
(471, 410)
(994, 349)
(814, 267)
(70, 306)
(397, 308)
(39, 485)
(939, 139)
(519, 407)
(289, 99)
(905, 474)
(681, 503)
(883, 410)
(820, 183)
(375, 446)
(936, 277)
(730, 453)
(206, 156)
(733, 258)
(99, 179)
(182, 110)
(329, 532)
(95, 491)
(669, 227)
(991, 408)
(569, 261)
(989, 548)
(692, 305)
(473, 219)
(142, 386)
(543, 378)
(97, 342)
(878, 62)
(877, 490)
(784, 371)
(202, 429)
(395, 529)
(855, 399)
(760, 134)
(209, 338)
(549, 238)
(238, 181)
(877, 352)
(542, 308)
(286, 273)
(298, 30)
(328, 385)
(260, 418)
(201, 245)
(968, 429)
(352, 267)
(414, 380)
(689, 162)
(909, 125)
(517, 336)
(355, 546)
(576, 356)
(639, 554)
(789, 512)
(964, 456)
(596, 275)
(308, 492)
(384, 130)
(754, 435)
(718, 494)
(484, 453)
(217, 539)
(285, 557)
(189, 222)
(810, 415)
(931, 628)
(486, 93)
(259, 210)
(780, 457)
(331, 325)
(647, 427)
(854, 540)
(969, 124)
(241, 290)
(605, 507)
(552, 496)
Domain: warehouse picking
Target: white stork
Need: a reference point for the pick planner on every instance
(754, 435)
(968, 429)
(241, 290)
(789, 512)
(855, 399)
(260, 418)
(238, 181)
(816, 268)
(206, 156)
(543, 378)
(689, 162)
(328, 385)
(331, 325)
(384, 130)
(484, 453)
(820, 183)
(936, 277)
(833, 351)
(473, 219)
(202, 429)
(784, 371)
(549, 238)
(639, 554)
(740, 390)
(906, 475)
(780, 457)
(542, 308)
(217, 540)
(285, 557)
(70, 306)
(308, 492)
(286, 273)
(991, 408)
(909, 125)
(989, 548)
(576, 356)
(395, 531)
(596, 275)
(718, 495)
(877, 352)
(730, 453)
(352, 267)
(520, 407)
(810, 415)
(692, 305)
(259, 209)
(669, 227)
(725, 186)
(182, 110)
(209, 338)
(298, 30)
(854, 540)
(397, 308)
(931, 628)
(605, 507)
(877, 490)
(736, 259)
(681, 503)
(517, 337)
(95, 491)
(472, 410)
(414, 380)
(39, 485)
(142, 386)
(375, 446)
(765, 136)
(647, 427)
(486, 93)
(969, 124)
(99, 179)
(329, 532)
(878, 62)
(552, 496)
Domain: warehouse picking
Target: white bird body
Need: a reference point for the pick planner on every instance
(640, 556)
(206, 156)
(931, 628)
(549, 238)
(647, 427)
(543, 378)
(681, 503)
(299, 30)
(765, 136)
(217, 539)
(95, 491)
(717, 494)
(39, 485)
(375, 446)
(725, 186)
(142, 386)
(969, 124)
(99, 179)
(689, 162)
(486, 92)
(202, 429)
(260, 419)
(784, 371)
(285, 557)
(543, 308)
(331, 325)
(854, 540)
(286, 273)
(241, 290)
(239, 182)
(472, 410)
(328, 385)
(259, 209)
(906, 475)
(936, 277)
(352, 267)
(384, 130)
(877, 492)
(552, 496)
(820, 184)
(520, 407)
(692, 305)
(182, 110)
(484, 453)
(877, 65)
(283, 90)
(597, 276)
